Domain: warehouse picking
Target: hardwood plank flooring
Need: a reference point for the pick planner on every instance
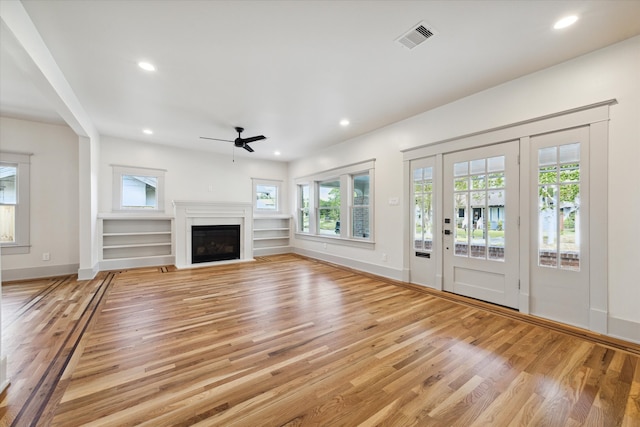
(290, 341)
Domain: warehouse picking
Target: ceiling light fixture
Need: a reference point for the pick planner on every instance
(147, 66)
(147, 131)
(276, 153)
(565, 22)
(344, 122)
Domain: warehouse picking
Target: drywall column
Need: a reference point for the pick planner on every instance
(88, 171)
(4, 381)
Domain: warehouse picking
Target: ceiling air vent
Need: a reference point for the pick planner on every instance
(416, 36)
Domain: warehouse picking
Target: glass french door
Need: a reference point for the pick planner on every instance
(481, 237)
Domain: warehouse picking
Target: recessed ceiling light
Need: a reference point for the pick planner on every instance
(147, 66)
(276, 153)
(147, 131)
(565, 22)
(344, 122)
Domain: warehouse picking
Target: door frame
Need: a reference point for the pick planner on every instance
(596, 116)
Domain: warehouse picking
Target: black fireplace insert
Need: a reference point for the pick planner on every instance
(210, 243)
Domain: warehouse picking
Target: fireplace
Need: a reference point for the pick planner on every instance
(210, 243)
(195, 215)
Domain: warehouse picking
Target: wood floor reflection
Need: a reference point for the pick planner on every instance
(288, 341)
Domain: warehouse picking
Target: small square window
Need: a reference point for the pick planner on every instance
(138, 189)
(266, 196)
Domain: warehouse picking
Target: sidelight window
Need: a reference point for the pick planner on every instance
(423, 209)
(559, 206)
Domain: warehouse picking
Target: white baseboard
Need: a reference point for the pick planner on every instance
(88, 273)
(272, 251)
(625, 329)
(124, 263)
(38, 272)
(379, 270)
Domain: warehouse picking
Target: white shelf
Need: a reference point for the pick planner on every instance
(271, 234)
(149, 233)
(140, 245)
(129, 240)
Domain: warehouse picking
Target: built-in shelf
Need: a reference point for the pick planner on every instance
(135, 240)
(271, 234)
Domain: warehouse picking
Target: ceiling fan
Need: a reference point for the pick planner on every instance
(240, 142)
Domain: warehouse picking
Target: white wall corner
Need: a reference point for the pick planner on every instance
(88, 273)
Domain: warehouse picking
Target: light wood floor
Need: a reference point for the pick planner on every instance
(289, 341)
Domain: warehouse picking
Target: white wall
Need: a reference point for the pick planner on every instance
(54, 197)
(608, 73)
(190, 175)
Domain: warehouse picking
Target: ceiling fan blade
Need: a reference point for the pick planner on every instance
(254, 138)
(215, 139)
(246, 147)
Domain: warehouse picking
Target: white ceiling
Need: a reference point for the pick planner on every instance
(290, 70)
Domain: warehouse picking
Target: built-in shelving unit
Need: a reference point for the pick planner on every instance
(135, 241)
(271, 234)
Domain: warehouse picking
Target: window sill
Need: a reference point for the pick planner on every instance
(356, 243)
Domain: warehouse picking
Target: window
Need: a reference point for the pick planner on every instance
(303, 208)
(329, 207)
(337, 204)
(138, 189)
(266, 196)
(479, 208)
(423, 209)
(360, 205)
(559, 206)
(14, 203)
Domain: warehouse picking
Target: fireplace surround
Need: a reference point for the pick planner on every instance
(190, 214)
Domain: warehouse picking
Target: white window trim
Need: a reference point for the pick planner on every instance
(22, 245)
(120, 170)
(345, 175)
(273, 182)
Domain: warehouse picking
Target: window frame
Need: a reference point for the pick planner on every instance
(278, 199)
(119, 171)
(22, 243)
(301, 209)
(345, 175)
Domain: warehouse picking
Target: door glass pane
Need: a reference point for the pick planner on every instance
(423, 208)
(570, 153)
(477, 166)
(480, 208)
(559, 206)
(478, 234)
(461, 169)
(495, 164)
(461, 214)
(569, 227)
(547, 226)
(496, 224)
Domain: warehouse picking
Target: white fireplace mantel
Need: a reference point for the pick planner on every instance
(190, 213)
